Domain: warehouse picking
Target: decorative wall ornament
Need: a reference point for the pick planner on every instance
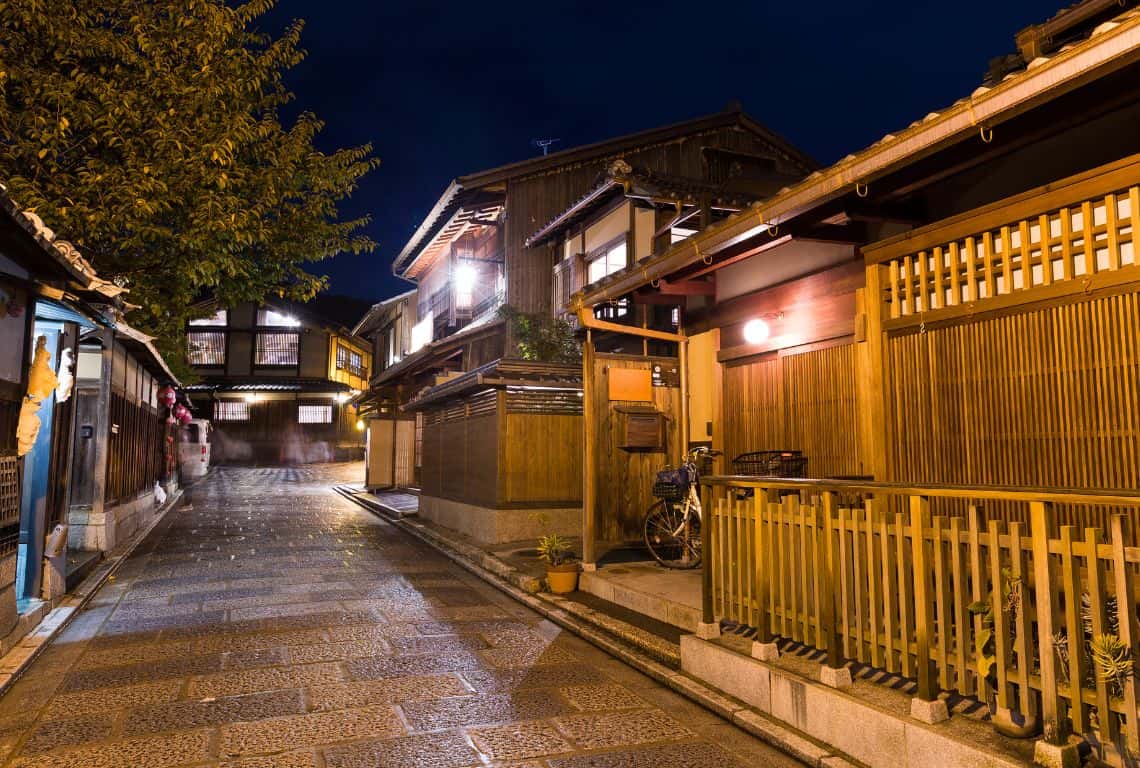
(42, 381)
(66, 377)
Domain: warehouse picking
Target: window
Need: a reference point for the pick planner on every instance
(314, 414)
(206, 347)
(277, 348)
(276, 319)
(221, 317)
(677, 234)
(231, 410)
(609, 260)
(350, 360)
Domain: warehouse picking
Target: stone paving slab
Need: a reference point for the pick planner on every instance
(273, 624)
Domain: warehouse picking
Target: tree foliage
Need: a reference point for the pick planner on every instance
(149, 133)
(541, 338)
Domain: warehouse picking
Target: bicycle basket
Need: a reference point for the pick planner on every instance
(672, 483)
(668, 491)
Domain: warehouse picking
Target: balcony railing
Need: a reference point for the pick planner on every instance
(1016, 605)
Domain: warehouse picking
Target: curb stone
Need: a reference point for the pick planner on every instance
(578, 620)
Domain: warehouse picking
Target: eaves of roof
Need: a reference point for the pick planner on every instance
(502, 373)
(1110, 47)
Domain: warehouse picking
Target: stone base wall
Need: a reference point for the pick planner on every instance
(874, 728)
(107, 529)
(497, 526)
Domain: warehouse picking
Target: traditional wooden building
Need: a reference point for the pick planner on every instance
(276, 380)
(946, 325)
(477, 251)
(82, 435)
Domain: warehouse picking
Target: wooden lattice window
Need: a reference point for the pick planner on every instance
(206, 348)
(314, 414)
(348, 359)
(231, 410)
(277, 348)
(9, 503)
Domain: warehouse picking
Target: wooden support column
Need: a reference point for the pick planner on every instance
(708, 499)
(1041, 529)
(589, 509)
(923, 606)
(871, 365)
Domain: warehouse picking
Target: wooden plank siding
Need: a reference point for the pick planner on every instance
(532, 201)
(804, 402)
(501, 449)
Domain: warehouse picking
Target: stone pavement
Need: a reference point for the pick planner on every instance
(273, 624)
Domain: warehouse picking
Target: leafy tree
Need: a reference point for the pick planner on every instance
(541, 338)
(149, 133)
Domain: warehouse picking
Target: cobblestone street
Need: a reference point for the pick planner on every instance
(269, 623)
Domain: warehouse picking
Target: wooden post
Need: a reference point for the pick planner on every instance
(832, 609)
(873, 371)
(589, 480)
(683, 364)
(763, 575)
(1128, 629)
(923, 616)
(707, 503)
(1040, 529)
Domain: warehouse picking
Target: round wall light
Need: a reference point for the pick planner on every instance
(756, 331)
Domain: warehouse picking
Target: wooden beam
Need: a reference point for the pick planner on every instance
(587, 319)
(589, 476)
(687, 288)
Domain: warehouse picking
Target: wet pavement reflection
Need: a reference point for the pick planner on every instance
(272, 624)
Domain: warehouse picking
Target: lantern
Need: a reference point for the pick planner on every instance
(182, 413)
(167, 396)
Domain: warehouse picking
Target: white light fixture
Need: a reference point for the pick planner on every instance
(756, 331)
(465, 277)
(343, 397)
(250, 397)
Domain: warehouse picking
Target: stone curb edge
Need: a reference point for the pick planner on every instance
(17, 660)
(736, 712)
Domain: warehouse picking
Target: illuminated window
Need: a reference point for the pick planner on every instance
(464, 279)
(276, 319)
(231, 410)
(607, 262)
(350, 360)
(221, 317)
(314, 414)
(277, 348)
(206, 348)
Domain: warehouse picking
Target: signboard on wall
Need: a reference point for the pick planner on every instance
(631, 384)
(666, 375)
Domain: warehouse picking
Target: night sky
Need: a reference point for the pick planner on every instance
(442, 89)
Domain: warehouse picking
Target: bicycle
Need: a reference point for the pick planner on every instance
(673, 524)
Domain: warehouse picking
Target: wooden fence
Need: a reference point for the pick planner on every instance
(865, 572)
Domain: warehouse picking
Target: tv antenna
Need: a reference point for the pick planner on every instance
(544, 144)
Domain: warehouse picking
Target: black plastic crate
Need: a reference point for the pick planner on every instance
(771, 464)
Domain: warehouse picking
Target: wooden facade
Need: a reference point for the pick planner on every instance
(278, 387)
(505, 448)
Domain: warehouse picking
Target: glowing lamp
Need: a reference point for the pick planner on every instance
(360, 425)
(343, 397)
(465, 277)
(756, 331)
(250, 397)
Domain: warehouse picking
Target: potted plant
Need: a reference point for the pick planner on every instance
(561, 563)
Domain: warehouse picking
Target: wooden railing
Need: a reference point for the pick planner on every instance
(865, 572)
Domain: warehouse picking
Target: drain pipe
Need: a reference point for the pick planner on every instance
(587, 320)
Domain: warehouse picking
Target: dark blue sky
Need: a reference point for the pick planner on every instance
(447, 88)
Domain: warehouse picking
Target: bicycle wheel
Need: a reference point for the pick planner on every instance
(672, 543)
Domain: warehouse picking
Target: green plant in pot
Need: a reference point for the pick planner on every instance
(1008, 722)
(561, 563)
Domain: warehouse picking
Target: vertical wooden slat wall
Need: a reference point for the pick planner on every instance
(803, 402)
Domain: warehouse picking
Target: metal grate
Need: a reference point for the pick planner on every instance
(277, 348)
(206, 347)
